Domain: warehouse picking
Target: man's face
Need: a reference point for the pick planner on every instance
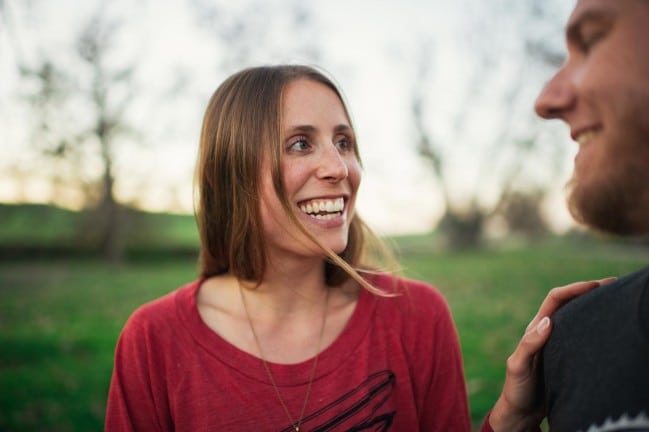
(602, 93)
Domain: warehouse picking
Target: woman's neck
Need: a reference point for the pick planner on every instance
(286, 310)
(289, 290)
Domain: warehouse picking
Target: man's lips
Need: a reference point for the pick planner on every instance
(584, 135)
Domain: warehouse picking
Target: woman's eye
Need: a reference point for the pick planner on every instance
(299, 144)
(345, 144)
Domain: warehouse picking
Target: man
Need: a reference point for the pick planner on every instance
(596, 362)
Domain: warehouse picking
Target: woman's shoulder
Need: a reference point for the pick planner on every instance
(412, 298)
(163, 310)
(405, 287)
(417, 312)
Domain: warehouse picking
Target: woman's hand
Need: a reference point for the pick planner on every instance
(520, 405)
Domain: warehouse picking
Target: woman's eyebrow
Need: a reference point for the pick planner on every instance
(301, 128)
(342, 128)
(305, 128)
(310, 129)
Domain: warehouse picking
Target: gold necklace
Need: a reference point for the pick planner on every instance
(296, 425)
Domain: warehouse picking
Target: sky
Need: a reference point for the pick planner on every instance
(372, 48)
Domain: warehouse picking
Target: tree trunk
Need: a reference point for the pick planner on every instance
(111, 238)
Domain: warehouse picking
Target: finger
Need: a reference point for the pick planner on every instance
(520, 362)
(559, 296)
(606, 280)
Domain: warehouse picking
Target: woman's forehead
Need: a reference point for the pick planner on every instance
(311, 104)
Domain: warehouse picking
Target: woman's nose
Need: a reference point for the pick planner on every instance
(332, 165)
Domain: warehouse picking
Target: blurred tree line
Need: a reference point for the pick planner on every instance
(525, 36)
(81, 107)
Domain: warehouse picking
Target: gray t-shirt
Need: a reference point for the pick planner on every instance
(596, 363)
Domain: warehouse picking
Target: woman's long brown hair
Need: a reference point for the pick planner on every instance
(242, 122)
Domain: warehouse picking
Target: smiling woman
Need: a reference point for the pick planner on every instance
(290, 326)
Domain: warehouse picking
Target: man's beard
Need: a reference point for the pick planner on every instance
(612, 194)
(603, 206)
(615, 198)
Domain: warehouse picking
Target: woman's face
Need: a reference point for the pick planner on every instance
(320, 171)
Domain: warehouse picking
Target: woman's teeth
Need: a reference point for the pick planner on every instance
(323, 209)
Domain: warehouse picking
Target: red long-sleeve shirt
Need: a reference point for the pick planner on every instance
(396, 366)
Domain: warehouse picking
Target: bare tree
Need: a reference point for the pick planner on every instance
(81, 114)
(513, 143)
(7, 27)
(255, 32)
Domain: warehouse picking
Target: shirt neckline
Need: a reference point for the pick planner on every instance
(247, 364)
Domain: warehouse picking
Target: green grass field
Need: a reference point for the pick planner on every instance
(59, 319)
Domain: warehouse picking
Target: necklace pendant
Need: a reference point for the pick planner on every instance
(297, 428)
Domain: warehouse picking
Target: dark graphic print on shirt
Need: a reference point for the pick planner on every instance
(361, 409)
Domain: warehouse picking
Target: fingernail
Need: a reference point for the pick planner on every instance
(543, 325)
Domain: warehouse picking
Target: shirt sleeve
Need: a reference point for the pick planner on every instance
(136, 398)
(447, 407)
(486, 427)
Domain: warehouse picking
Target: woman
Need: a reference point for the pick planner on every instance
(289, 328)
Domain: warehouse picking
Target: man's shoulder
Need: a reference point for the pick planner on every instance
(622, 292)
(594, 363)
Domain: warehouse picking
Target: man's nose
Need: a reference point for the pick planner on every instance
(557, 96)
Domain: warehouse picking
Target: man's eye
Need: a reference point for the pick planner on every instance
(590, 35)
(587, 42)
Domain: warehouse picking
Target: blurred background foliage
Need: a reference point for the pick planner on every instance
(79, 258)
(63, 306)
(93, 120)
